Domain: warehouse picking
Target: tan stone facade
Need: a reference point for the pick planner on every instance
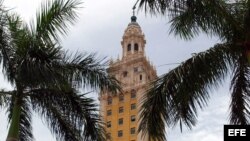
(120, 112)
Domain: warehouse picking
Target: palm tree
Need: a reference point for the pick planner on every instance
(176, 96)
(46, 78)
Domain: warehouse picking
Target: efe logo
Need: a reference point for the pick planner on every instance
(236, 132)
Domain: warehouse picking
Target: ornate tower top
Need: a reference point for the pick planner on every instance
(133, 40)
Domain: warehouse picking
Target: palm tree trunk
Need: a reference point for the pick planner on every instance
(13, 134)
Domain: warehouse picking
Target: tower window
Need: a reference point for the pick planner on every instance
(120, 121)
(136, 47)
(121, 97)
(135, 69)
(109, 100)
(109, 124)
(133, 106)
(120, 109)
(140, 77)
(133, 118)
(109, 112)
(125, 74)
(120, 133)
(129, 47)
(132, 130)
(133, 93)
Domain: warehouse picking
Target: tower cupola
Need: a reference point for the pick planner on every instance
(133, 40)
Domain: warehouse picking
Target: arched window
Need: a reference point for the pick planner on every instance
(109, 100)
(125, 74)
(136, 47)
(140, 77)
(129, 47)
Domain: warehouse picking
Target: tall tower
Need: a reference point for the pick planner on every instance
(121, 111)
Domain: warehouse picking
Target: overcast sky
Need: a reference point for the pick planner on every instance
(100, 28)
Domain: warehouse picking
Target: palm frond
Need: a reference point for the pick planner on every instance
(31, 56)
(15, 28)
(35, 56)
(2, 100)
(4, 97)
(58, 122)
(208, 16)
(56, 68)
(42, 63)
(175, 96)
(153, 117)
(93, 127)
(172, 7)
(190, 17)
(88, 71)
(55, 17)
(240, 98)
(78, 111)
(60, 125)
(5, 48)
(156, 6)
(18, 44)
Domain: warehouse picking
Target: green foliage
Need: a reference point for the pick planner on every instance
(53, 19)
(176, 96)
(46, 78)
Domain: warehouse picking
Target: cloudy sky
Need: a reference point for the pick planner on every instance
(100, 28)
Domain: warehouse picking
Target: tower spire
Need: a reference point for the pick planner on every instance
(133, 18)
(134, 7)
